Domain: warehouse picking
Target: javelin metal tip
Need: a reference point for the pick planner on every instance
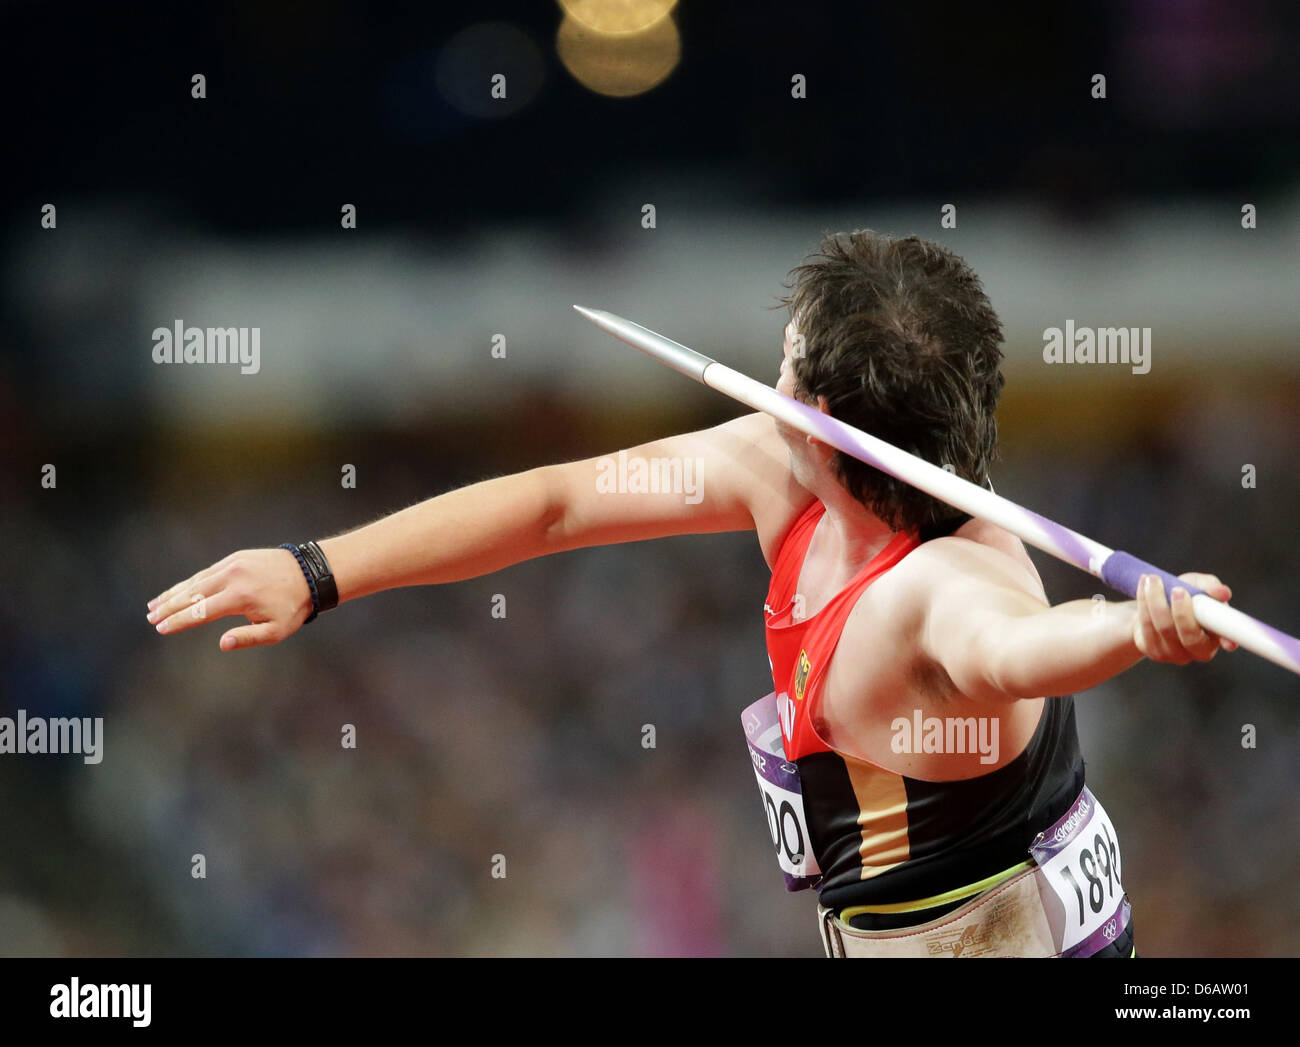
(665, 350)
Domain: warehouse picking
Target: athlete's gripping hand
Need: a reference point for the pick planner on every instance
(266, 586)
(1166, 630)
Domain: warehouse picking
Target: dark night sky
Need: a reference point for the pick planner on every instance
(339, 102)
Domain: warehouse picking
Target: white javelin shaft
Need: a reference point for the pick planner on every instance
(1118, 569)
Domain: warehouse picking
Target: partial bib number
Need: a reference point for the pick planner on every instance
(782, 792)
(1080, 860)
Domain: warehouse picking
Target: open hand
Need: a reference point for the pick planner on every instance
(266, 586)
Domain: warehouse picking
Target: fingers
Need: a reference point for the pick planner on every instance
(198, 609)
(1156, 623)
(206, 584)
(190, 583)
(180, 587)
(1191, 635)
(1215, 588)
(1211, 584)
(251, 636)
(1166, 628)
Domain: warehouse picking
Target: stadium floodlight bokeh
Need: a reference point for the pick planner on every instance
(619, 48)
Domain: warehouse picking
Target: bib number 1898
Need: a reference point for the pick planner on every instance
(1079, 857)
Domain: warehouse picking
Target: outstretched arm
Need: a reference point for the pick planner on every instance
(490, 525)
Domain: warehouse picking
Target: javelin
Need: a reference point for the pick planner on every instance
(1119, 570)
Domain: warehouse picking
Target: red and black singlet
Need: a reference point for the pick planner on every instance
(880, 837)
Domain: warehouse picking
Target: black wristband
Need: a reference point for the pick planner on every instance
(325, 584)
(320, 579)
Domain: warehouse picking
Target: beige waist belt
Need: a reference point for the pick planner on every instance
(1006, 920)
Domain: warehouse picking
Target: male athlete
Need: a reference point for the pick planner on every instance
(920, 741)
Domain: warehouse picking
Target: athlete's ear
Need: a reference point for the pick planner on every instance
(825, 408)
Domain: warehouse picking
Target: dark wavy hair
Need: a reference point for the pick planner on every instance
(903, 343)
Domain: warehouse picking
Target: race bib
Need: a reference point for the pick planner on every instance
(778, 782)
(1079, 860)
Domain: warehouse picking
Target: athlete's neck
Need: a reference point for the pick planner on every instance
(857, 534)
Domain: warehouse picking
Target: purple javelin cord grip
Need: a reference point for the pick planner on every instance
(1123, 572)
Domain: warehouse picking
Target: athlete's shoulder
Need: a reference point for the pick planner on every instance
(942, 571)
(957, 549)
(977, 552)
(760, 470)
(943, 564)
